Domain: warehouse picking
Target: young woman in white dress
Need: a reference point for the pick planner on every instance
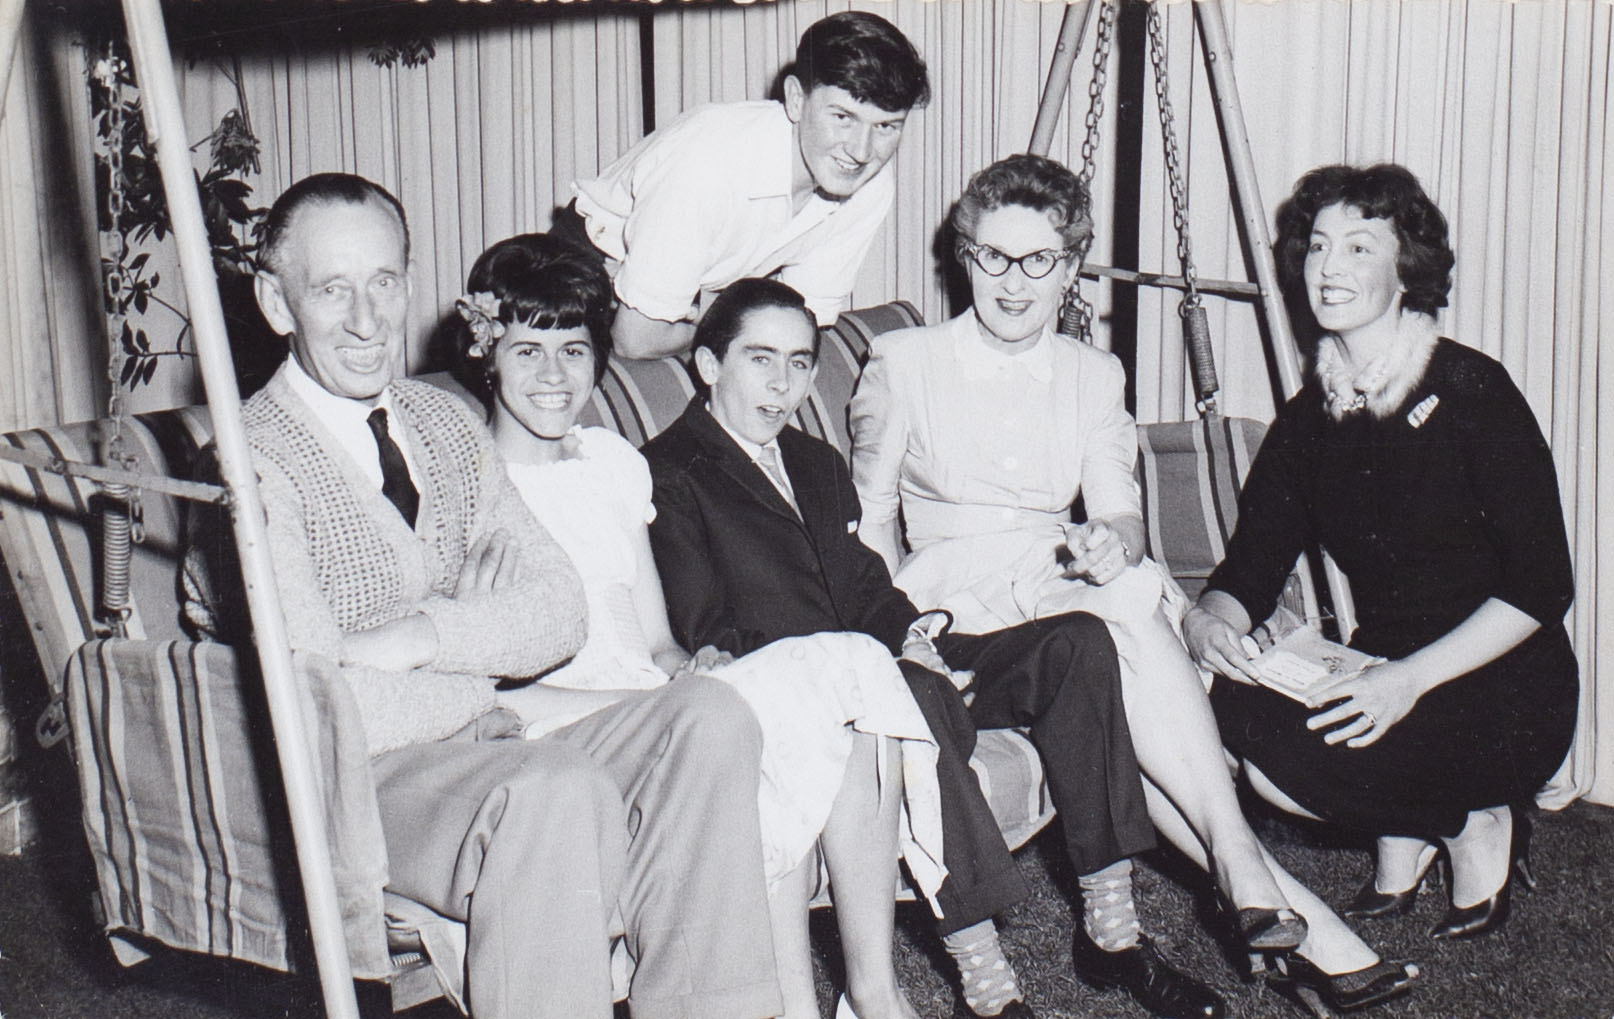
(848, 762)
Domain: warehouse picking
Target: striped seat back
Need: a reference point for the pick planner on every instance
(639, 398)
(1191, 474)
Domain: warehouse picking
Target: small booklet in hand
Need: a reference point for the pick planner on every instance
(1304, 660)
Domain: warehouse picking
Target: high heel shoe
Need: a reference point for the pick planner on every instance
(1323, 994)
(1485, 916)
(1370, 903)
(1269, 930)
(1472, 921)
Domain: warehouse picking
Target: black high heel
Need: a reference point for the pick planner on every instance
(1523, 827)
(1371, 903)
(1268, 930)
(1472, 921)
(1483, 917)
(1324, 995)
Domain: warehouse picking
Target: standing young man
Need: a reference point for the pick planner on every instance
(794, 189)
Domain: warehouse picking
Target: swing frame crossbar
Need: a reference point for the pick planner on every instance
(195, 491)
(1224, 288)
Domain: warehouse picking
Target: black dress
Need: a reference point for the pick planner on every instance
(1428, 521)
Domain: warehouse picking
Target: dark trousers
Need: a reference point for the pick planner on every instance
(982, 878)
(1059, 678)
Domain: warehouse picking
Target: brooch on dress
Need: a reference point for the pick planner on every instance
(1419, 414)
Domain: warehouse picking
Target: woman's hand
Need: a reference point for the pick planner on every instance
(1098, 552)
(1364, 706)
(703, 661)
(1216, 645)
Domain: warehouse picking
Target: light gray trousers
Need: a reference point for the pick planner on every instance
(649, 806)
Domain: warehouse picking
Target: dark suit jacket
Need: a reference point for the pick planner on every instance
(739, 568)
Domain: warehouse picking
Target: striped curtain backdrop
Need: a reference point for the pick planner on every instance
(1500, 107)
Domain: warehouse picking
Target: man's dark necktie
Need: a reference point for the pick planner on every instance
(395, 483)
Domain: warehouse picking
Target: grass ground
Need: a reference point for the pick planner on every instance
(1553, 960)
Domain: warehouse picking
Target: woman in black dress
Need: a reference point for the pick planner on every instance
(1417, 462)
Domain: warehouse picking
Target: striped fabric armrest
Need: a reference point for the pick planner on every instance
(190, 846)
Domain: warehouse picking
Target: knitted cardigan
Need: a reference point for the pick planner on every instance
(346, 561)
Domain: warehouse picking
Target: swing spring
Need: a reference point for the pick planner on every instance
(1196, 324)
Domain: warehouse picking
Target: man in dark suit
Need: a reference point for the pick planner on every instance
(756, 539)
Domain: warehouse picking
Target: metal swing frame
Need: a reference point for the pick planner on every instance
(153, 62)
(1079, 19)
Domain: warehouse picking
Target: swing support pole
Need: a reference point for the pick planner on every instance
(10, 33)
(1258, 241)
(1225, 98)
(1072, 30)
(148, 44)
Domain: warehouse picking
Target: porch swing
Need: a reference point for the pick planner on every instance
(164, 728)
(1191, 472)
(167, 744)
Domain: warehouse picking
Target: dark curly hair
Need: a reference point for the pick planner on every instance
(1034, 182)
(1388, 191)
(867, 56)
(546, 282)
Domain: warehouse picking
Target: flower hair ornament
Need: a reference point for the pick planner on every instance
(481, 313)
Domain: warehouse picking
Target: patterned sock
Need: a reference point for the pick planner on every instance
(1108, 914)
(989, 982)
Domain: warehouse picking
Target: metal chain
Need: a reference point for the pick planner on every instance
(1174, 172)
(1077, 317)
(117, 276)
(121, 522)
(1095, 88)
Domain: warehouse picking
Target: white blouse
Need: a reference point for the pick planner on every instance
(970, 440)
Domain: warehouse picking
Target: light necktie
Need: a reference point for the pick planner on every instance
(769, 459)
(395, 483)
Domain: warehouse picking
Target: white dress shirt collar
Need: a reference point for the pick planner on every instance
(754, 451)
(348, 421)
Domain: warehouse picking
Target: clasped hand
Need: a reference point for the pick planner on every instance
(703, 661)
(410, 641)
(923, 653)
(1098, 553)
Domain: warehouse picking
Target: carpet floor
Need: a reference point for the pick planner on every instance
(1553, 960)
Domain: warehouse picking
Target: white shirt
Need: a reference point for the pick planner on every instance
(706, 200)
(781, 482)
(348, 420)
